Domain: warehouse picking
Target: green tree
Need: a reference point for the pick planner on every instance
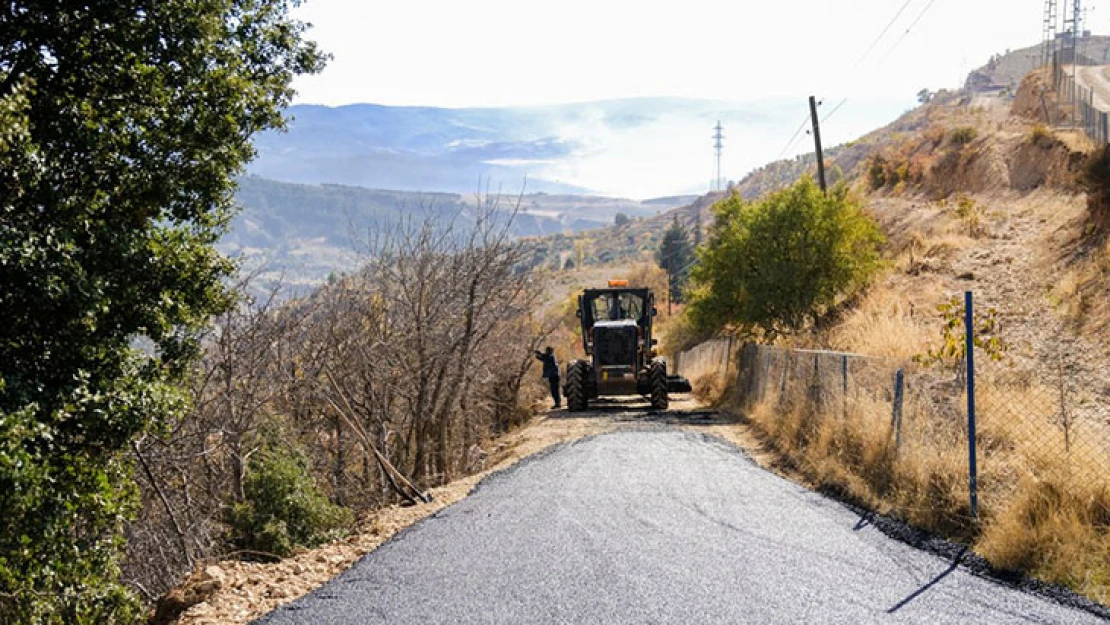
(122, 126)
(772, 266)
(676, 257)
(621, 220)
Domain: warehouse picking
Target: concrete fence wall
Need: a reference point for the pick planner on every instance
(711, 357)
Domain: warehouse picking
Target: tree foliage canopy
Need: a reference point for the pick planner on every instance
(772, 266)
(122, 126)
(676, 256)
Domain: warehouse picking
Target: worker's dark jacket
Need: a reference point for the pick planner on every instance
(550, 367)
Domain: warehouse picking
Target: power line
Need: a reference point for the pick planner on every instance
(883, 34)
(806, 120)
(862, 58)
(905, 34)
(794, 137)
(833, 112)
(867, 52)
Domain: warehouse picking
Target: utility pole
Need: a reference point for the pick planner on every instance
(669, 313)
(697, 228)
(718, 145)
(817, 142)
(1071, 41)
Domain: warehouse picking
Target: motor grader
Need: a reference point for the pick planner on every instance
(620, 359)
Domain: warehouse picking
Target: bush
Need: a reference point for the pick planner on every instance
(1041, 135)
(970, 213)
(42, 547)
(679, 334)
(284, 509)
(774, 265)
(1096, 182)
(876, 173)
(963, 135)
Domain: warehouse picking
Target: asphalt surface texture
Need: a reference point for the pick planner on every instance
(657, 524)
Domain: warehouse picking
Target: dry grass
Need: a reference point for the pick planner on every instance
(1056, 528)
(1044, 497)
(1051, 514)
(1080, 292)
(1045, 509)
(889, 322)
(709, 389)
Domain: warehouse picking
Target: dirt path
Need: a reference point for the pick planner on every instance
(1016, 268)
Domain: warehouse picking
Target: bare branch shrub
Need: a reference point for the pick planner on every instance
(392, 380)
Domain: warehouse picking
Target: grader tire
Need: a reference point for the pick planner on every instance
(659, 399)
(576, 386)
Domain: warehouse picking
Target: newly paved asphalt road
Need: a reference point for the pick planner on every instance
(657, 525)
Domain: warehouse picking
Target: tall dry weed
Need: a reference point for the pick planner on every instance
(886, 324)
(1043, 509)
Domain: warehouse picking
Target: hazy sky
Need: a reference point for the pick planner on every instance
(742, 53)
(508, 52)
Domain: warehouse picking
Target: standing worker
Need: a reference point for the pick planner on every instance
(551, 372)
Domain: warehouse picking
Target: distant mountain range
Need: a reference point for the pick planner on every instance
(425, 149)
(302, 233)
(641, 147)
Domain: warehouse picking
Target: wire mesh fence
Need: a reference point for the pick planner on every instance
(889, 403)
(1087, 115)
(901, 428)
(1052, 416)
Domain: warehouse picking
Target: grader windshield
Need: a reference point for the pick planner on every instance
(617, 306)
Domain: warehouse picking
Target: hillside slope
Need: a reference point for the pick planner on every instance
(1008, 69)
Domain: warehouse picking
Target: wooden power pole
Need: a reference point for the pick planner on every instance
(817, 142)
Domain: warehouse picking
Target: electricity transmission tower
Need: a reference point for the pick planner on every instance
(1049, 31)
(1077, 23)
(1073, 23)
(718, 145)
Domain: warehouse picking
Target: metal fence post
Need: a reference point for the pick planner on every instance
(728, 356)
(973, 470)
(896, 412)
(844, 382)
(785, 371)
